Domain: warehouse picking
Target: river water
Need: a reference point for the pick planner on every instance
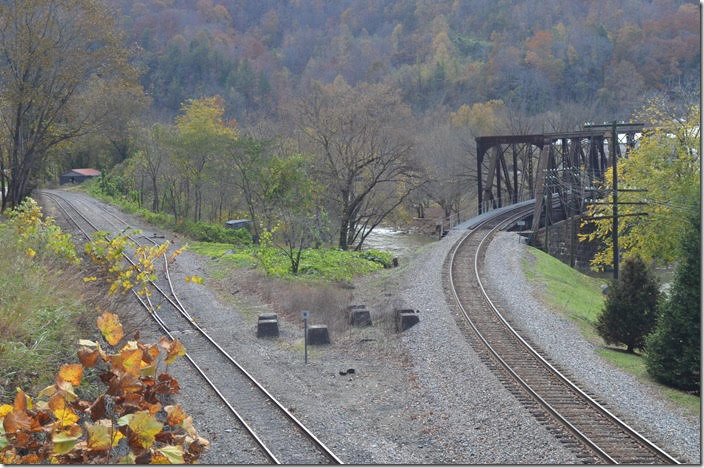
(399, 243)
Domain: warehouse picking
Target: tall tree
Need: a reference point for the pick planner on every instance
(153, 149)
(673, 351)
(203, 134)
(55, 56)
(245, 159)
(292, 196)
(442, 152)
(667, 163)
(363, 151)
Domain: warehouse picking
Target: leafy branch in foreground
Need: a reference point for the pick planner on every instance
(130, 422)
(107, 253)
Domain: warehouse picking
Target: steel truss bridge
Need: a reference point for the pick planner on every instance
(564, 166)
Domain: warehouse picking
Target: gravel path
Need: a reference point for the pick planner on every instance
(640, 405)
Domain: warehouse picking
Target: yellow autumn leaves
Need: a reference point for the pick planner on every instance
(194, 279)
(111, 328)
(36, 233)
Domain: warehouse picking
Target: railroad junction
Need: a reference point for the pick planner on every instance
(428, 395)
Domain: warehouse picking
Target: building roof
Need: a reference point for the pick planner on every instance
(84, 172)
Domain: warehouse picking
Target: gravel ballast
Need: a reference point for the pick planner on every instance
(422, 396)
(639, 404)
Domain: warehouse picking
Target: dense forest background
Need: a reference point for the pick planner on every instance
(208, 110)
(534, 55)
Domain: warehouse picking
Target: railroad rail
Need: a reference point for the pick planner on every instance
(598, 431)
(279, 434)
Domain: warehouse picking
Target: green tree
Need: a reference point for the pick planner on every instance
(673, 349)
(246, 157)
(55, 58)
(153, 150)
(631, 306)
(203, 135)
(666, 162)
(292, 197)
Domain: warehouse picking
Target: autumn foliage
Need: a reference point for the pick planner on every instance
(130, 422)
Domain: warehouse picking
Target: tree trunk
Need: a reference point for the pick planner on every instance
(344, 228)
(155, 201)
(3, 199)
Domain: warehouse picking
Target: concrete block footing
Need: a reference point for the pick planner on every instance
(318, 335)
(406, 318)
(360, 318)
(268, 326)
(269, 316)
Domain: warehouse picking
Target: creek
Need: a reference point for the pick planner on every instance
(399, 243)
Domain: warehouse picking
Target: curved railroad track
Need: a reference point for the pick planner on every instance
(281, 437)
(599, 435)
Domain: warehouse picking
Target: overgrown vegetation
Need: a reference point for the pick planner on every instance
(213, 240)
(315, 264)
(40, 307)
(130, 421)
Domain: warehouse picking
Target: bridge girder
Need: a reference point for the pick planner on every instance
(542, 165)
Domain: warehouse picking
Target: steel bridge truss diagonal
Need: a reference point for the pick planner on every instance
(564, 166)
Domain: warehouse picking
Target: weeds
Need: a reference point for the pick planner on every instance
(329, 264)
(40, 303)
(196, 230)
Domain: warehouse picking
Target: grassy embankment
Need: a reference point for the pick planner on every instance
(41, 312)
(234, 249)
(578, 297)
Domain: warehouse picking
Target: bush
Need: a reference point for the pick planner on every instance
(112, 189)
(378, 256)
(40, 305)
(631, 306)
(207, 232)
(673, 350)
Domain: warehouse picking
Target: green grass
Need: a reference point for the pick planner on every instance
(572, 293)
(40, 311)
(635, 365)
(323, 264)
(316, 264)
(578, 297)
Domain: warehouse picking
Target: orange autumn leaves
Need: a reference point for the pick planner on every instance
(127, 423)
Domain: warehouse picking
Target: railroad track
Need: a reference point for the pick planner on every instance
(581, 422)
(281, 437)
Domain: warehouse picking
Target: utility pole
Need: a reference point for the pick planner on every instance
(614, 168)
(546, 197)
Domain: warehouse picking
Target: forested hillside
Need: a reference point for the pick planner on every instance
(207, 110)
(534, 55)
